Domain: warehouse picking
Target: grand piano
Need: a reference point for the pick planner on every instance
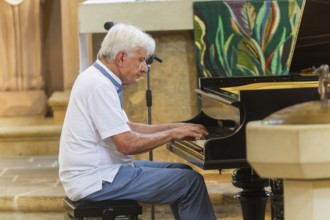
(229, 103)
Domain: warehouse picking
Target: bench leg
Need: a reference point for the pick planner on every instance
(134, 217)
(109, 214)
(70, 217)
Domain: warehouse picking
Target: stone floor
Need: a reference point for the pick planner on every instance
(30, 189)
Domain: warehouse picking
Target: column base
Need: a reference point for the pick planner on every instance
(23, 103)
(306, 199)
(58, 102)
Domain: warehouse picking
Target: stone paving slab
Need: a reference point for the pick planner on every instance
(30, 184)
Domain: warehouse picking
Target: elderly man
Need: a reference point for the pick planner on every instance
(98, 140)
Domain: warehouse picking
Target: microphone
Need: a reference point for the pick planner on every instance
(152, 58)
(108, 25)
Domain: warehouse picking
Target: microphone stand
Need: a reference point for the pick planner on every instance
(149, 104)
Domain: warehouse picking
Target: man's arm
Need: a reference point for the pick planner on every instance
(148, 129)
(144, 138)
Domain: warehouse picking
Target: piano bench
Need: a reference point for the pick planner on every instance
(107, 209)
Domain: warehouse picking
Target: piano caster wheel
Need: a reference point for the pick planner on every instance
(253, 197)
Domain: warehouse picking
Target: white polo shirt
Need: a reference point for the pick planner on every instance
(94, 113)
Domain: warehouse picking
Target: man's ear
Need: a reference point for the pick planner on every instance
(120, 58)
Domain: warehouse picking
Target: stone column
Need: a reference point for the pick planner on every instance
(59, 99)
(69, 15)
(21, 81)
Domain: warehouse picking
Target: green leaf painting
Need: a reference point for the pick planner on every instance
(245, 37)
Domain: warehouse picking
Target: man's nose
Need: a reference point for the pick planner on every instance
(144, 67)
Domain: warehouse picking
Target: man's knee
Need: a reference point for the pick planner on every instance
(192, 176)
(180, 166)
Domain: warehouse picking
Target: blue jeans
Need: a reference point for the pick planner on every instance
(161, 183)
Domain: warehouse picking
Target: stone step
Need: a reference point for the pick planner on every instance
(29, 136)
(30, 189)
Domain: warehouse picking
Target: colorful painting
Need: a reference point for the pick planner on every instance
(245, 37)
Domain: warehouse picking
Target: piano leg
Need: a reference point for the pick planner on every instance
(253, 197)
(277, 199)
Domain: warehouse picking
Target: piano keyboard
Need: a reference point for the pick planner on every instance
(196, 147)
(193, 148)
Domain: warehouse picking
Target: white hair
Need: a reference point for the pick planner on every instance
(125, 37)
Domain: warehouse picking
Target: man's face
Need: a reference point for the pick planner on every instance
(134, 65)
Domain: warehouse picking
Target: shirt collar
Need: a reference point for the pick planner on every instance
(114, 76)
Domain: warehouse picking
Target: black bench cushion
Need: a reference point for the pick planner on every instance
(96, 209)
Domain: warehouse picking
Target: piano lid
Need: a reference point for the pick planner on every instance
(221, 99)
(270, 85)
(313, 43)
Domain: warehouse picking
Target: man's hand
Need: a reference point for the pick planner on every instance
(190, 132)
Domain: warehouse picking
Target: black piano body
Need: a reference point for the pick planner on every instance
(227, 113)
(230, 112)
